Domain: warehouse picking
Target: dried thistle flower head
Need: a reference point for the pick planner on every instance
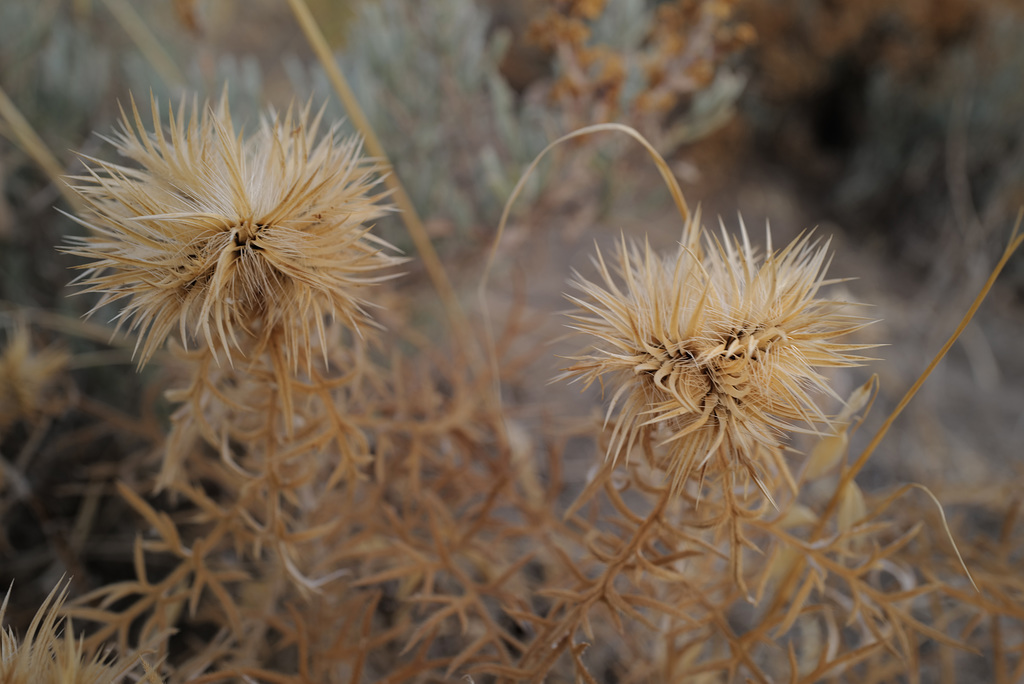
(230, 240)
(712, 350)
(50, 655)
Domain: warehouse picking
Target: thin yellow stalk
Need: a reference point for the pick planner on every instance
(146, 42)
(663, 168)
(413, 224)
(1016, 239)
(21, 133)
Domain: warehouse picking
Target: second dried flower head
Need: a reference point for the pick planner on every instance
(241, 243)
(713, 351)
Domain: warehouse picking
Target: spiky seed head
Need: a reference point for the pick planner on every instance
(713, 350)
(49, 653)
(229, 239)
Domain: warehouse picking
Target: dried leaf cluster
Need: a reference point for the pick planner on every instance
(629, 60)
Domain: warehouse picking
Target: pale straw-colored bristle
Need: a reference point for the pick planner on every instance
(49, 653)
(714, 350)
(221, 239)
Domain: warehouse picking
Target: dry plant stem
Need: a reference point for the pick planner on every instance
(23, 135)
(413, 224)
(558, 635)
(109, 357)
(75, 327)
(1016, 240)
(146, 42)
(147, 428)
(663, 168)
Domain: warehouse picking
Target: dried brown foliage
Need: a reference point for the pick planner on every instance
(331, 508)
(330, 503)
(684, 44)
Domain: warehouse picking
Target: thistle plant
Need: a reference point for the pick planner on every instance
(336, 505)
(245, 244)
(240, 248)
(239, 252)
(339, 515)
(713, 351)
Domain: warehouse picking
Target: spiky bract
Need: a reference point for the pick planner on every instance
(229, 240)
(49, 654)
(712, 350)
